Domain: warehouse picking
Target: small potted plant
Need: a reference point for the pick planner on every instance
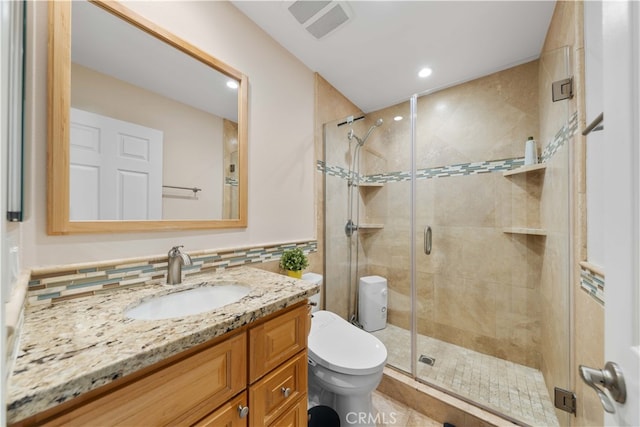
(294, 261)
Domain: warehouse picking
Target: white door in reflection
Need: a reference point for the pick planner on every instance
(115, 169)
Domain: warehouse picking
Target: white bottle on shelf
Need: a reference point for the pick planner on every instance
(530, 152)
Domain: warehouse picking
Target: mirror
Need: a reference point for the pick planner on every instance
(146, 131)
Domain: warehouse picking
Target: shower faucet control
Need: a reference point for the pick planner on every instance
(350, 228)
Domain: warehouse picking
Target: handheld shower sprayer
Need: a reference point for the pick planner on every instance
(375, 125)
(361, 142)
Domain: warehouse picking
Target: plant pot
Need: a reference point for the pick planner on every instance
(297, 274)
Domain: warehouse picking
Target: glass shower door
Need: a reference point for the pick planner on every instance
(367, 176)
(483, 329)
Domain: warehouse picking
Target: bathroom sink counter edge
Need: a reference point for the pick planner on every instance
(76, 346)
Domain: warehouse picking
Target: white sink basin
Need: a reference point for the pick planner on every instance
(187, 303)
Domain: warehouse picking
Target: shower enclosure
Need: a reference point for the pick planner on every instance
(484, 314)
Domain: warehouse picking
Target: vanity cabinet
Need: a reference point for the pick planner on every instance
(276, 392)
(278, 367)
(262, 367)
(180, 393)
(228, 415)
(274, 341)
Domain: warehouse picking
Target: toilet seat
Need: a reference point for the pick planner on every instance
(341, 347)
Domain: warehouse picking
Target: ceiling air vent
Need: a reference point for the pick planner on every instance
(319, 17)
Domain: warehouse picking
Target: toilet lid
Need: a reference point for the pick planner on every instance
(338, 345)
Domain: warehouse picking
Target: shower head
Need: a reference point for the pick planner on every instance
(375, 125)
(361, 142)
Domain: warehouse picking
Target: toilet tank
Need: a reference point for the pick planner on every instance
(316, 279)
(372, 303)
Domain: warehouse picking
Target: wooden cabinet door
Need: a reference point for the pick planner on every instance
(276, 340)
(228, 415)
(178, 394)
(296, 416)
(273, 394)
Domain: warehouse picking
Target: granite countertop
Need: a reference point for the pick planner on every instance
(72, 347)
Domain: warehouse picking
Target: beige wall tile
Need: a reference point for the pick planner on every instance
(589, 336)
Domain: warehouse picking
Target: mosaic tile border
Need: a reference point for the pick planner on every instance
(338, 171)
(561, 138)
(461, 169)
(59, 286)
(231, 181)
(592, 283)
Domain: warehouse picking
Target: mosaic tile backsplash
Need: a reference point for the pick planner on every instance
(561, 138)
(462, 169)
(592, 283)
(52, 287)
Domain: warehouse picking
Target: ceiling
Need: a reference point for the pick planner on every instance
(374, 57)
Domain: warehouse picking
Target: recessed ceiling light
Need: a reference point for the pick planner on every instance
(232, 84)
(425, 72)
(397, 118)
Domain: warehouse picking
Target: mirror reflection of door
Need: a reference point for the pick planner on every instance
(134, 77)
(116, 169)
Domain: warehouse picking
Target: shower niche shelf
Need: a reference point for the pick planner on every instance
(535, 184)
(525, 169)
(370, 227)
(367, 185)
(525, 230)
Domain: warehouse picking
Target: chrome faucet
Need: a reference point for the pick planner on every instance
(176, 260)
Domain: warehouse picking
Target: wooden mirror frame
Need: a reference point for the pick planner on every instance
(58, 132)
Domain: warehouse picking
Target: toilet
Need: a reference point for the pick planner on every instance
(345, 366)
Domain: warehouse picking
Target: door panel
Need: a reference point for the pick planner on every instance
(621, 44)
(126, 159)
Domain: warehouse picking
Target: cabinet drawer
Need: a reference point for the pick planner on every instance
(296, 416)
(178, 394)
(278, 390)
(276, 340)
(228, 415)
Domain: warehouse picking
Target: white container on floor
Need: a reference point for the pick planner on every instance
(372, 303)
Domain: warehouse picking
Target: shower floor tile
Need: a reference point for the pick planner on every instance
(515, 390)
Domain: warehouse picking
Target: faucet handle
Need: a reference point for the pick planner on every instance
(175, 251)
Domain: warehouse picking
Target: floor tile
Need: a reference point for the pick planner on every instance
(515, 390)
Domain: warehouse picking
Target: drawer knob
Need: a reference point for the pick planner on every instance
(243, 411)
(286, 391)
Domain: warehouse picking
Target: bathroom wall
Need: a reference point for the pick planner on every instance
(479, 287)
(281, 137)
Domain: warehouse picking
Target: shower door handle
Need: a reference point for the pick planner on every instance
(427, 240)
(610, 378)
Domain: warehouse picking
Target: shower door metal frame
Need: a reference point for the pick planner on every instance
(413, 107)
